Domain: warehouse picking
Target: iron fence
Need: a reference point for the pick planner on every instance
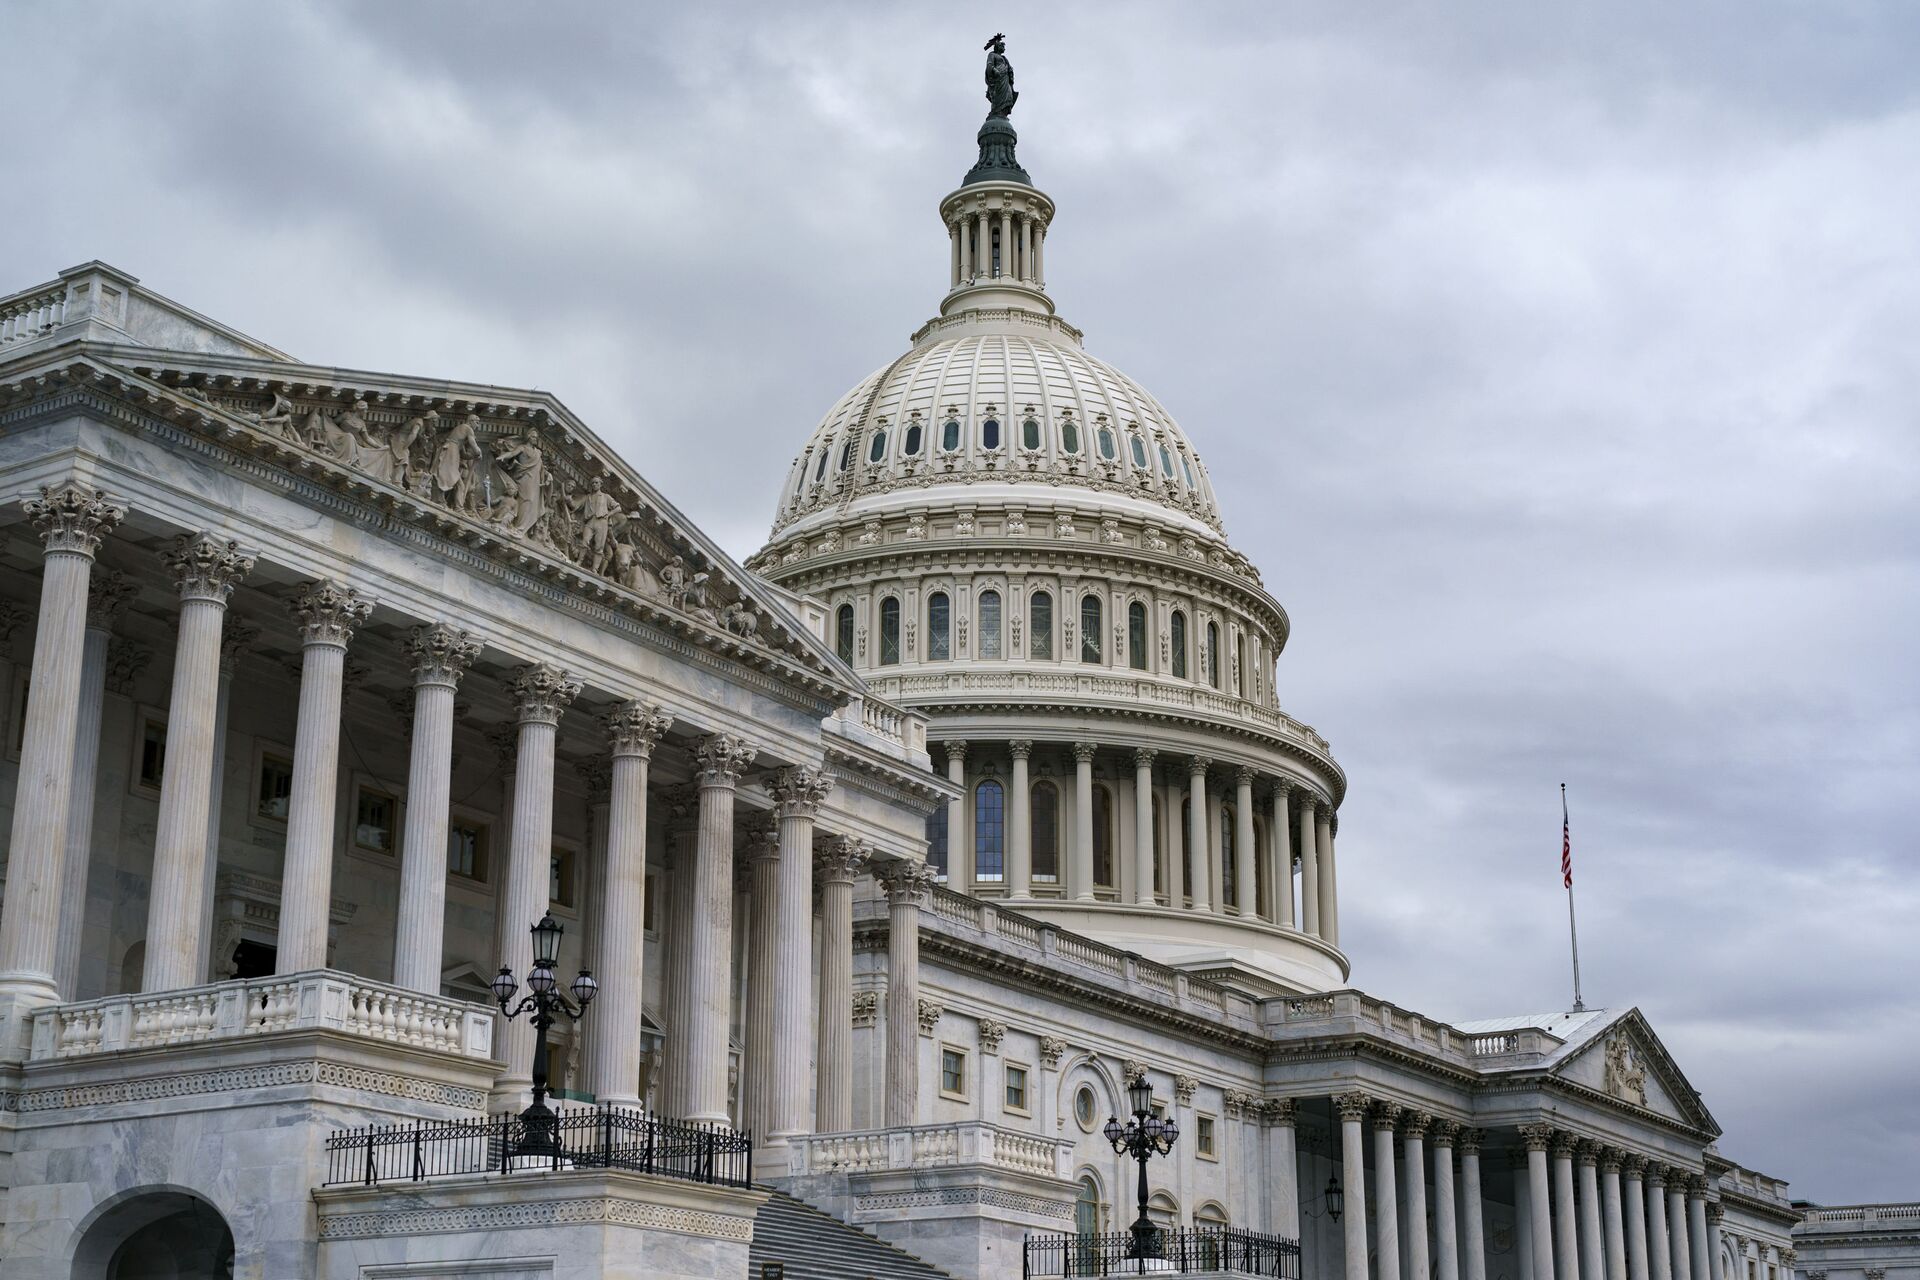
(1179, 1249)
(585, 1138)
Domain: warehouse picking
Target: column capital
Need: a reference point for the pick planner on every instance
(1414, 1124)
(1143, 757)
(596, 775)
(441, 654)
(906, 882)
(1470, 1140)
(206, 566)
(1352, 1105)
(683, 807)
(1564, 1144)
(1132, 1069)
(720, 757)
(1715, 1213)
(1083, 752)
(840, 861)
(1656, 1174)
(1052, 1049)
(1386, 1114)
(763, 841)
(1633, 1166)
(1445, 1133)
(1611, 1158)
(73, 518)
(1018, 748)
(1586, 1152)
(799, 790)
(1696, 1187)
(1243, 775)
(956, 748)
(108, 591)
(1789, 1256)
(634, 727)
(328, 613)
(1184, 1088)
(1198, 765)
(236, 637)
(1281, 1112)
(541, 691)
(1536, 1136)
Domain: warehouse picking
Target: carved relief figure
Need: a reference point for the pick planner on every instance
(1625, 1078)
(597, 508)
(279, 418)
(390, 461)
(456, 464)
(527, 466)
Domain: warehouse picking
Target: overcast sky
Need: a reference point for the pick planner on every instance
(1559, 372)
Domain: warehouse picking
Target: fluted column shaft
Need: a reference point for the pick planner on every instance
(683, 810)
(1680, 1260)
(1592, 1248)
(440, 655)
(1414, 1152)
(328, 614)
(906, 884)
(1353, 1170)
(236, 637)
(634, 728)
(1329, 880)
(1198, 846)
(710, 962)
(960, 852)
(1539, 1202)
(72, 519)
(1700, 1247)
(1473, 1245)
(206, 569)
(1613, 1225)
(833, 1079)
(1143, 856)
(1283, 1167)
(1081, 884)
(1659, 1240)
(799, 793)
(1282, 861)
(107, 593)
(1309, 864)
(1246, 881)
(1446, 1220)
(1019, 868)
(757, 1065)
(1633, 1195)
(1386, 1226)
(1566, 1237)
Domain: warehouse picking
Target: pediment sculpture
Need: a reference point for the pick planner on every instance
(1626, 1077)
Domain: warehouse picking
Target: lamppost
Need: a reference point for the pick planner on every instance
(1143, 1137)
(543, 1000)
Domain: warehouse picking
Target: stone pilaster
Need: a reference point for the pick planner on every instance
(441, 655)
(906, 886)
(834, 872)
(762, 872)
(1019, 821)
(1283, 1168)
(633, 730)
(683, 832)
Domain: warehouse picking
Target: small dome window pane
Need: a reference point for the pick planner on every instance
(939, 627)
(1179, 629)
(989, 624)
(846, 454)
(821, 470)
(1139, 451)
(843, 634)
(950, 434)
(1040, 625)
(1030, 434)
(1069, 436)
(1089, 628)
(1187, 467)
(911, 446)
(990, 434)
(1108, 449)
(1166, 462)
(879, 448)
(889, 631)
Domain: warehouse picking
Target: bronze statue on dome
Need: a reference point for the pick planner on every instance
(1001, 94)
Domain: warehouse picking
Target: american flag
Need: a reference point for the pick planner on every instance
(1566, 844)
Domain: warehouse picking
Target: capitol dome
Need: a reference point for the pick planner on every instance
(1016, 539)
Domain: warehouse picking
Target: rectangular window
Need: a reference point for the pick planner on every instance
(953, 1073)
(937, 841)
(1017, 1089)
(1090, 628)
(152, 746)
(1040, 625)
(560, 878)
(467, 851)
(989, 831)
(1203, 1138)
(373, 821)
(276, 787)
(989, 624)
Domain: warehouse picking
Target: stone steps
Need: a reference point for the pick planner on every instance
(812, 1245)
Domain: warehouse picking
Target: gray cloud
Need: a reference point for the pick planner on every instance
(1557, 369)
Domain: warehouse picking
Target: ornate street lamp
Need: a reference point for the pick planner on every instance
(543, 1000)
(1143, 1137)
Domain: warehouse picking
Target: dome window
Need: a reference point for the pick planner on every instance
(1030, 434)
(1044, 826)
(989, 831)
(1040, 625)
(1179, 638)
(821, 470)
(950, 435)
(1187, 467)
(1069, 436)
(1213, 655)
(1090, 628)
(1166, 462)
(879, 447)
(939, 627)
(1139, 447)
(846, 454)
(937, 841)
(989, 627)
(1108, 450)
(843, 634)
(910, 447)
(889, 631)
(1137, 636)
(990, 434)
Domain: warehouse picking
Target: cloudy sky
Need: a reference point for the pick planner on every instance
(1559, 373)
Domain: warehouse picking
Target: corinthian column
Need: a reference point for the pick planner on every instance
(1246, 881)
(205, 568)
(1283, 1169)
(1080, 882)
(541, 692)
(703, 1055)
(1386, 1226)
(833, 1077)
(1681, 1262)
(1659, 1244)
(328, 614)
(1282, 859)
(906, 885)
(107, 595)
(1700, 1247)
(683, 828)
(1304, 804)
(1566, 1239)
(1329, 826)
(1199, 850)
(633, 729)
(959, 847)
(1446, 1220)
(440, 656)
(72, 519)
(1019, 868)
(1474, 1243)
(1353, 1166)
(1633, 1195)
(799, 793)
(762, 868)
(1539, 1200)
(1592, 1253)
(1143, 859)
(1615, 1228)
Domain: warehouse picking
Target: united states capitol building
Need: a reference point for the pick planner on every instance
(898, 852)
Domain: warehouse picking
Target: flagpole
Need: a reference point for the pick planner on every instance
(1573, 928)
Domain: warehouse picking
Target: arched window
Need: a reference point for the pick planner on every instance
(950, 434)
(937, 841)
(1139, 448)
(1069, 436)
(1179, 629)
(1108, 449)
(989, 628)
(1030, 432)
(939, 627)
(1137, 636)
(1213, 654)
(1229, 880)
(989, 831)
(843, 633)
(1089, 628)
(990, 434)
(821, 470)
(1045, 829)
(1166, 462)
(889, 631)
(878, 449)
(1102, 837)
(800, 476)
(911, 445)
(846, 454)
(1040, 625)
(1086, 1208)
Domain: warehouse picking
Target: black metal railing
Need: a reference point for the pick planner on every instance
(596, 1138)
(1244, 1253)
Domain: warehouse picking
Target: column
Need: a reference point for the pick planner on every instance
(1006, 243)
(1282, 859)
(1716, 1269)
(1612, 1223)
(953, 242)
(1386, 1225)
(1328, 826)
(983, 251)
(1026, 246)
(328, 614)
(1522, 1217)
(798, 792)
(762, 873)
(1197, 843)
(1040, 255)
(1305, 802)
(107, 595)
(959, 847)
(1680, 1259)
(1019, 869)
(1539, 1201)
(1473, 1243)
(1566, 1239)
(1246, 881)
(834, 871)
(1592, 1250)
(1143, 858)
(906, 886)
(1446, 1214)
(237, 637)
(633, 729)
(72, 519)
(1283, 1167)
(441, 655)
(683, 824)
(1080, 883)
(205, 568)
(1353, 1171)
(702, 1058)
(963, 228)
(1633, 1196)
(1414, 1151)
(1700, 1251)
(1659, 1246)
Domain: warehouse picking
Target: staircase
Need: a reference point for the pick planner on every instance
(812, 1245)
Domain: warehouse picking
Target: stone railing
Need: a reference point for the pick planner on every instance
(1857, 1217)
(33, 313)
(929, 1146)
(893, 725)
(321, 1000)
(1348, 1012)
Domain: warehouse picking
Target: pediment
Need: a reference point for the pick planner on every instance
(1625, 1061)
